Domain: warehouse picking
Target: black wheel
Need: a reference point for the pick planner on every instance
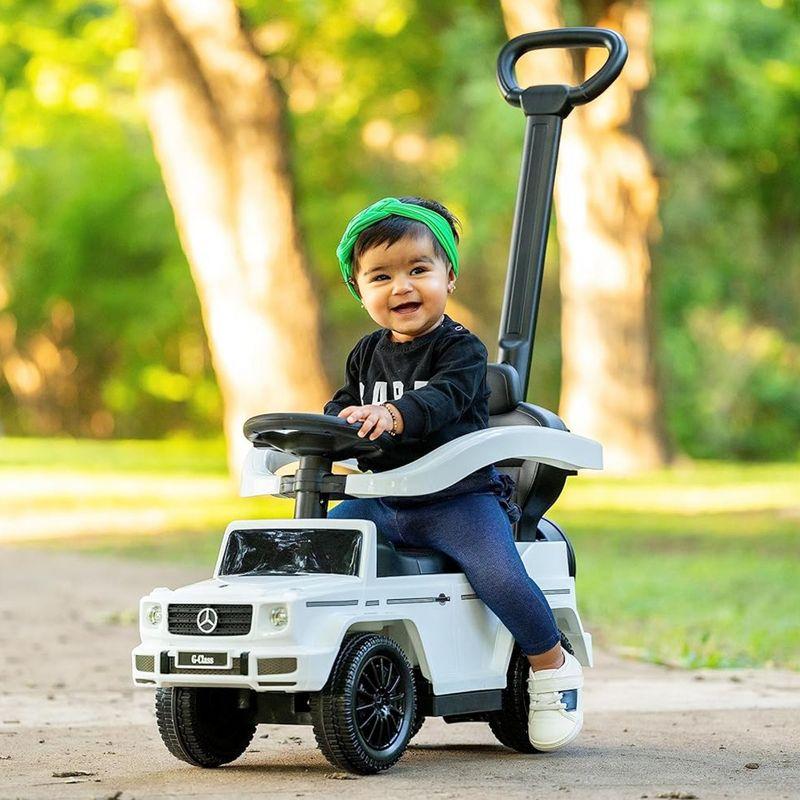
(510, 723)
(204, 726)
(362, 717)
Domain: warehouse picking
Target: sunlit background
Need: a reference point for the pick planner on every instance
(114, 383)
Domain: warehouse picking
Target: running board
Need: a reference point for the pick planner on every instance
(448, 705)
(290, 708)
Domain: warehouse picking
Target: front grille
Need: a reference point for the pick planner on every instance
(231, 620)
(146, 663)
(276, 666)
(234, 670)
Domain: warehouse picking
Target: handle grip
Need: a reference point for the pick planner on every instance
(571, 38)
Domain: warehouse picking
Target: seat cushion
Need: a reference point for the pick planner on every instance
(411, 560)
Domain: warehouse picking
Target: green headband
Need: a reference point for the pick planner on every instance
(437, 224)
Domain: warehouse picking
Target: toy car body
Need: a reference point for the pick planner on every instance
(458, 643)
(287, 594)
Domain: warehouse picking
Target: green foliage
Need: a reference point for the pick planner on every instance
(106, 318)
(399, 97)
(725, 127)
(392, 97)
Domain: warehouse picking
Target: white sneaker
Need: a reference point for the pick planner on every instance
(555, 716)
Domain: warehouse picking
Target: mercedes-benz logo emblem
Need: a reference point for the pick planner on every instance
(207, 620)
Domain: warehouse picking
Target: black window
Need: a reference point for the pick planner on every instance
(284, 551)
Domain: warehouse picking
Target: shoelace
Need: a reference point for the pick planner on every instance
(547, 701)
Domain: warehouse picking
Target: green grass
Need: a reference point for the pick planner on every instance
(125, 495)
(710, 590)
(694, 566)
(130, 455)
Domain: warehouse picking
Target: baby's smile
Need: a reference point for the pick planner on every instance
(407, 308)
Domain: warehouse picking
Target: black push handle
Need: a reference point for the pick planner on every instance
(570, 38)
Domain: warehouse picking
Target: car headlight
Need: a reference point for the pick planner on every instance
(279, 616)
(153, 614)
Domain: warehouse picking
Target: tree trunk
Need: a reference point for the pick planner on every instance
(216, 119)
(606, 200)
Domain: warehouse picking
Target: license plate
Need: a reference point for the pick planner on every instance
(204, 660)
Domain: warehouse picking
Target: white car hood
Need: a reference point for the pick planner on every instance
(247, 588)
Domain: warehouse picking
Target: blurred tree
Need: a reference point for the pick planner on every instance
(396, 97)
(100, 330)
(217, 122)
(399, 97)
(605, 201)
(100, 326)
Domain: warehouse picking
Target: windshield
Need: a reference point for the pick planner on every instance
(286, 551)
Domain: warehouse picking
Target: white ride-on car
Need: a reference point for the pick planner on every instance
(323, 621)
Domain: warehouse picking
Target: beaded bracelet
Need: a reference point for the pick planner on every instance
(393, 431)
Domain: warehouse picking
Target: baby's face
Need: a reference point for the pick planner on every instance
(404, 286)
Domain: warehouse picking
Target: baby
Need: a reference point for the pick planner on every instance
(422, 378)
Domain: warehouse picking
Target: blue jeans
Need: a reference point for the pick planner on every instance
(475, 531)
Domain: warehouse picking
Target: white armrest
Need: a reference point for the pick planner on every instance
(257, 471)
(441, 467)
(263, 469)
(455, 460)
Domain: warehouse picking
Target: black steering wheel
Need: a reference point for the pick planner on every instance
(313, 435)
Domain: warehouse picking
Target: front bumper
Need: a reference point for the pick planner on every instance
(290, 669)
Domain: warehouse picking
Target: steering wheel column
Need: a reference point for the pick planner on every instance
(317, 440)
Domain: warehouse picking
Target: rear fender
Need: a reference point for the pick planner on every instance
(569, 623)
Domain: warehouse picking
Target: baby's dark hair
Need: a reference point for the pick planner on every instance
(392, 229)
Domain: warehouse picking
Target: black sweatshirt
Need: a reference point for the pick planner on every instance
(437, 382)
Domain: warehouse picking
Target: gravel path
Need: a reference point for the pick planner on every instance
(67, 625)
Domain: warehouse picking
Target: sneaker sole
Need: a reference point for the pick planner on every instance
(548, 748)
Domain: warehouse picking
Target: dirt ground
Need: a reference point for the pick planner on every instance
(67, 705)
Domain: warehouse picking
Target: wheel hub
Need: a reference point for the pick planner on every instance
(380, 718)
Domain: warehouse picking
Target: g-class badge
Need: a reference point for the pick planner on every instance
(202, 660)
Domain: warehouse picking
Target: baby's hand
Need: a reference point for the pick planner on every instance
(372, 416)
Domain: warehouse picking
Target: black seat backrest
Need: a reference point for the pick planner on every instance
(538, 485)
(505, 392)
